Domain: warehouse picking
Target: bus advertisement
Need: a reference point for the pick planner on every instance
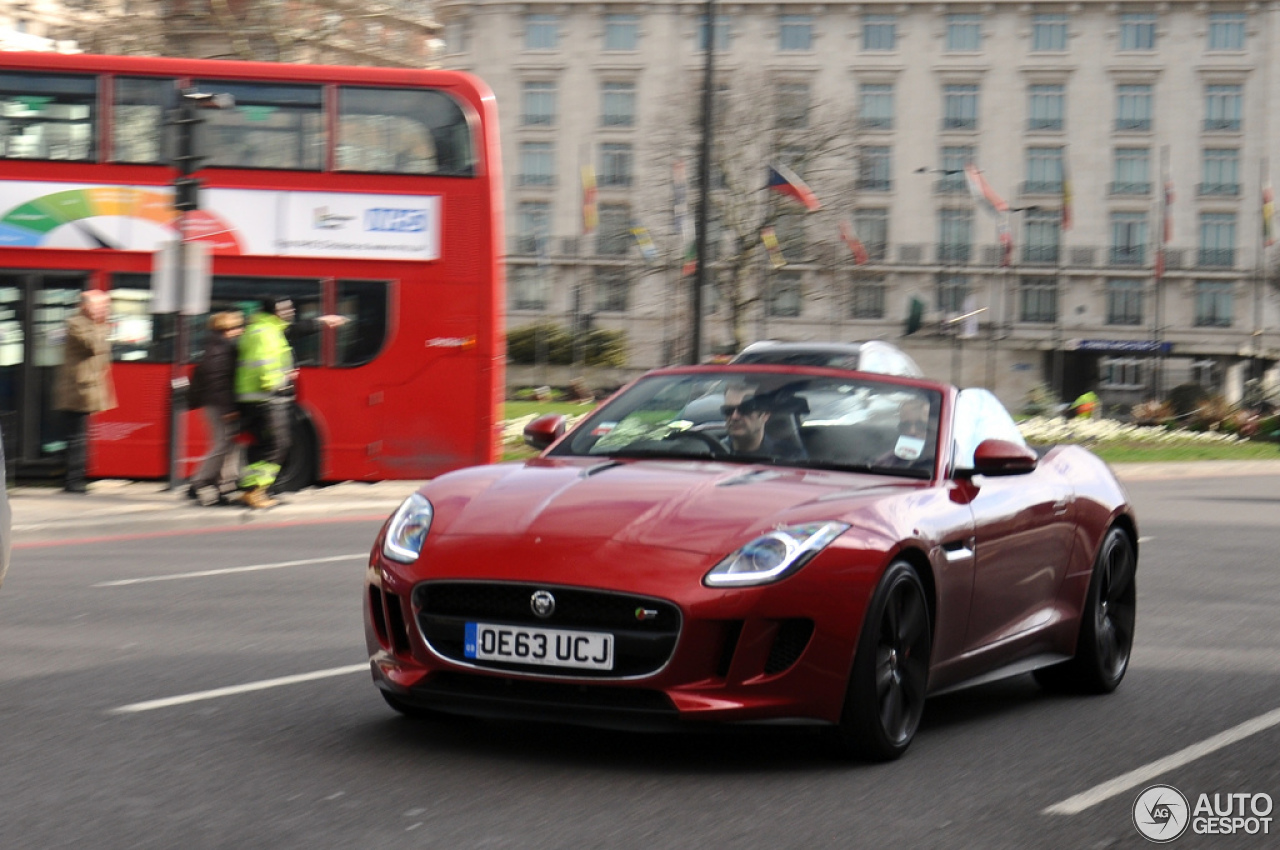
(370, 193)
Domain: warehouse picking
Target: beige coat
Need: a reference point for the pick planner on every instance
(84, 378)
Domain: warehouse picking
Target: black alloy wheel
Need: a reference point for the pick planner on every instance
(890, 676)
(1106, 623)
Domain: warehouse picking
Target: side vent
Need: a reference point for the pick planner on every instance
(732, 631)
(395, 620)
(378, 616)
(792, 638)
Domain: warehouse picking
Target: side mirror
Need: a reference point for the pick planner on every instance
(1000, 457)
(544, 430)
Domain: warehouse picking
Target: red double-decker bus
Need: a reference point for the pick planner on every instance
(371, 193)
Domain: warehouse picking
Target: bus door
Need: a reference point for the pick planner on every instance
(34, 306)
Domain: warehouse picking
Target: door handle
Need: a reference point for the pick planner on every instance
(958, 550)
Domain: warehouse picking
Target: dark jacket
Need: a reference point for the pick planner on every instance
(218, 378)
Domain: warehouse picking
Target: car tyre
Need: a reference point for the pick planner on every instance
(1106, 623)
(889, 679)
(299, 469)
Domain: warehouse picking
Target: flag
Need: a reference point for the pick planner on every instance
(1268, 215)
(685, 231)
(1066, 197)
(590, 212)
(784, 180)
(644, 242)
(1166, 231)
(859, 251)
(770, 240)
(983, 195)
(1005, 235)
(915, 316)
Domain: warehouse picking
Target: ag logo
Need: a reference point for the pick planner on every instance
(1161, 813)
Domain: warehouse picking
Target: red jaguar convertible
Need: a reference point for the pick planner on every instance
(833, 548)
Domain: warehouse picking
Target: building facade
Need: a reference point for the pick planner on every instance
(1131, 142)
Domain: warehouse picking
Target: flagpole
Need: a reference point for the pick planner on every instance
(704, 185)
(1255, 350)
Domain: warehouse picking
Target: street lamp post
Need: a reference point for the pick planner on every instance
(704, 184)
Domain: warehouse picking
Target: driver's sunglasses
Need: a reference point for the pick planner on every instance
(745, 408)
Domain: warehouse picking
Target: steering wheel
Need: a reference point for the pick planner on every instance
(717, 447)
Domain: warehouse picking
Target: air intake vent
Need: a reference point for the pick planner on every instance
(793, 636)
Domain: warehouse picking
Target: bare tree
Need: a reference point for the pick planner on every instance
(756, 122)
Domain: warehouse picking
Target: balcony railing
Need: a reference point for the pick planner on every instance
(1043, 254)
(537, 180)
(1044, 124)
(1119, 188)
(1218, 190)
(1131, 124)
(882, 122)
(1127, 255)
(875, 184)
(950, 252)
(950, 186)
(1231, 125)
(1216, 258)
(955, 122)
(1042, 187)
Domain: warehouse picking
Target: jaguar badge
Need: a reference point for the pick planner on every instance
(543, 603)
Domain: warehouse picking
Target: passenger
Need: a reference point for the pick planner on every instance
(916, 442)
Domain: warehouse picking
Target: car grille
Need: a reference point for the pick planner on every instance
(641, 646)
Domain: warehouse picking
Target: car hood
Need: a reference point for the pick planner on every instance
(702, 507)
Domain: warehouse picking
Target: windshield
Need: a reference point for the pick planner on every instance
(851, 423)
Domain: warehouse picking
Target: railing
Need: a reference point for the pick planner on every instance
(1133, 124)
(951, 252)
(1044, 124)
(1131, 188)
(953, 122)
(1042, 254)
(1127, 255)
(875, 184)
(950, 186)
(1220, 124)
(1042, 187)
(1216, 257)
(1218, 190)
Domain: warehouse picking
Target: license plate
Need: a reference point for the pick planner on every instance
(547, 647)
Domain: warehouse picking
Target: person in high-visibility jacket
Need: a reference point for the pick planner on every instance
(264, 390)
(1086, 406)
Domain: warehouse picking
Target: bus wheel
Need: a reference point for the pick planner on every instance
(299, 468)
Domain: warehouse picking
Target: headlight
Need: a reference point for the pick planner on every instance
(408, 529)
(774, 555)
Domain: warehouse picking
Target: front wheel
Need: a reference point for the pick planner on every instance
(1106, 623)
(890, 676)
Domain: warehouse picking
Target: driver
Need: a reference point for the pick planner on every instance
(745, 420)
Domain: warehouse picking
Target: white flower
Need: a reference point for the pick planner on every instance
(1039, 429)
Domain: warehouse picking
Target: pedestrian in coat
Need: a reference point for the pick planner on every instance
(83, 385)
(219, 473)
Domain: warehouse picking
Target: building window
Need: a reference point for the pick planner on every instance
(1128, 238)
(541, 32)
(613, 238)
(795, 32)
(1226, 30)
(793, 105)
(533, 224)
(1222, 107)
(1044, 171)
(1132, 172)
(866, 298)
(953, 289)
(1124, 302)
(952, 180)
(1217, 240)
(792, 238)
(1039, 297)
(960, 107)
(539, 102)
(875, 111)
(964, 33)
(723, 33)
(618, 105)
(615, 164)
(621, 32)
(1048, 32)
(1122, 373)
(611, 290)
(875, 168)
(1046, 108)
(537, 164)
(1213, 303)
(785, 295)
(1133, 107)
(872, 229)
(1042, 236)
(879, 32)
(1221, 172)
(528, 287)
(955, 235)
(1137, 31)
(455, 35)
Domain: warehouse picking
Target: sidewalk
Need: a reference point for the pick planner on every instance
(119, 507)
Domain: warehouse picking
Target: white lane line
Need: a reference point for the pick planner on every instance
(263, 685)
(1134, 778)
(252, 568)
(1146, 539)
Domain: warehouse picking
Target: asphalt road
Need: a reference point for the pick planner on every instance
(114, 733)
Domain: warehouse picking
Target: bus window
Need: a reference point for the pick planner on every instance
(270, 126)
(50, 116)
(402, 131)
(243, 294)
(364, 304)
(138, 119)
(136, 333)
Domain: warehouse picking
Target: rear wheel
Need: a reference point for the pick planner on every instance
(890, 676)
(1106, 623)
(299, 469)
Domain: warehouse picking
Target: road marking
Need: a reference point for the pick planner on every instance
(263, 685)
(1134, 778)
(252, 568)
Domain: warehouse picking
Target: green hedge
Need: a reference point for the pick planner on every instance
(595, 347)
